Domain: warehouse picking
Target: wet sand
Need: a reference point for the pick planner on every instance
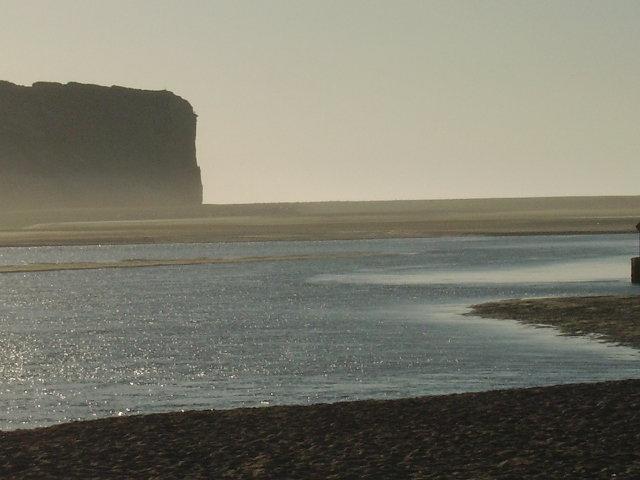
(588, 431)
(147, 263)
(611, 318)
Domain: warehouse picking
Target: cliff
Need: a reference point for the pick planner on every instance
(78, 145)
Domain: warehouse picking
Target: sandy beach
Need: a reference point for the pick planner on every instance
(250, 240)
(321, 221)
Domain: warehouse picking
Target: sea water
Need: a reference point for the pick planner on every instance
(93, 343)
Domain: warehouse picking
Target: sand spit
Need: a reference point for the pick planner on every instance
(614, 318)
(146, 263)
(586, 431)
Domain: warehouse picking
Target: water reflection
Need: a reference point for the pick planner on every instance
(80, 344)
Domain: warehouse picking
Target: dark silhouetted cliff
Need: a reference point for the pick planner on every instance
(78, 145)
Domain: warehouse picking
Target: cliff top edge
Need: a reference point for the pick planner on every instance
(90, 88)
(58, 85)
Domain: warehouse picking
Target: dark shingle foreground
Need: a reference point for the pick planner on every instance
(586, 431)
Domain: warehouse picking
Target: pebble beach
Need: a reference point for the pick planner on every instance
(587, 431)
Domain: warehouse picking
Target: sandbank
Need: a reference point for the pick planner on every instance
(147, 263)
(611, 318)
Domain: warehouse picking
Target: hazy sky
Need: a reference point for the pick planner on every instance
(346, 100)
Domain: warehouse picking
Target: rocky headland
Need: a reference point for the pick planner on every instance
(90, 146)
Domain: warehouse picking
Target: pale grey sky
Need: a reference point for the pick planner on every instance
(358, 100)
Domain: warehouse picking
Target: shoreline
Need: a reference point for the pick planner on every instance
(586, 430)
(565, 431)
(612, 318)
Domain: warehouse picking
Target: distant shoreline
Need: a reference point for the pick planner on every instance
(321, 221)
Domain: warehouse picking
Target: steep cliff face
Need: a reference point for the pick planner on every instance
(78, 145)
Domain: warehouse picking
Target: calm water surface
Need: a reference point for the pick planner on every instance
(87, 344)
